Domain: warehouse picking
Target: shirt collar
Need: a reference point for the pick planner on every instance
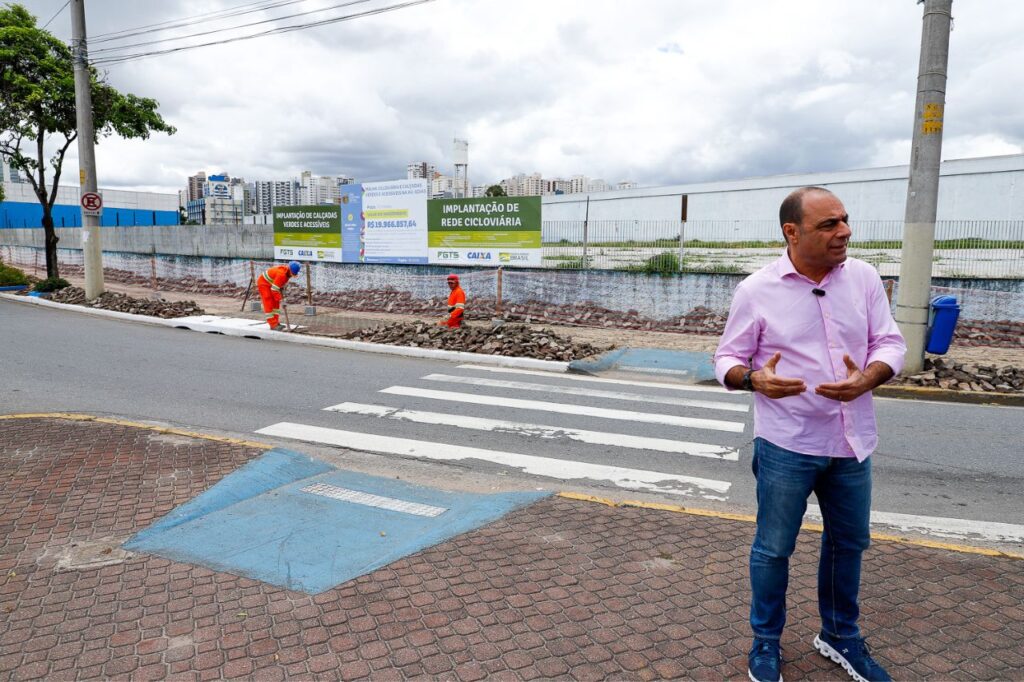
(784, 266)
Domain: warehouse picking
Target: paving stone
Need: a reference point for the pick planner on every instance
(496, 603)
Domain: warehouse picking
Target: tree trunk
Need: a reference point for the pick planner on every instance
(51, 243)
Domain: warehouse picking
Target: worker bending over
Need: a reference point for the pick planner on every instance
(456, 303)
(271, 286)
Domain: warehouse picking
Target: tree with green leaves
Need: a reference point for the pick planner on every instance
(37, 105)
(495, 191)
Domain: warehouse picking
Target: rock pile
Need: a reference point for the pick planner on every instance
(123, 303)
(516, 340)
(699, 320)
(387, 301)
(997, 334)
(940, 373)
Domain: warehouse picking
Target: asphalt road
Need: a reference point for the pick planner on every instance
(936, 459)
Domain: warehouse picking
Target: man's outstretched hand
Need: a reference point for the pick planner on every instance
(855, 384)
(768, 383)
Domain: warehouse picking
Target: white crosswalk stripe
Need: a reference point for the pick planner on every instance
(957, 529)
(558, 425)
(635, 479)
(563, 408)
(590, 393)
(541, 431)
(600, 380)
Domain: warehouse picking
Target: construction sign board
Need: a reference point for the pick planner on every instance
(492, 231)
(308, 233)
(394, 224)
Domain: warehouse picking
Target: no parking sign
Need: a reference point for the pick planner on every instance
(92, 204)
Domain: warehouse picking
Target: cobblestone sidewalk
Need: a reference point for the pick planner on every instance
(561, 589)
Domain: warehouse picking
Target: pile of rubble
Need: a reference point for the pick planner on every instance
(516, 340)
(940, 373)
(388, 301)
(994, 334)
(123, 303)
(700, 320)
(188, 284)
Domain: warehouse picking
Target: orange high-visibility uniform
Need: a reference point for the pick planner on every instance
(456, 307)
(270, 284)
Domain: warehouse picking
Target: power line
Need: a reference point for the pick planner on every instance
(56, 15)
(237, 10)
(230, 28)
(120, 59)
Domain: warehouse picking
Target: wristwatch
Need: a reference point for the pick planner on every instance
(746, 384)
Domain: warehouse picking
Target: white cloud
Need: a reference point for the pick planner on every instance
(656, 91)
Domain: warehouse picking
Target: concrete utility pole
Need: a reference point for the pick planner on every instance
(86, 156)
(923, 188)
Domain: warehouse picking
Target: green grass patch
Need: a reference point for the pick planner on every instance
(570, 263)
(51, 284)
(666, 263)
(11, 276)
(716, 268)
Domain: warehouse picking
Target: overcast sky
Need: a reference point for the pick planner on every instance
(654, 91)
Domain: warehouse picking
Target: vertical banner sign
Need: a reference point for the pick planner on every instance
(490, 231)
(395, 215)
(353, 225)
(311, 233)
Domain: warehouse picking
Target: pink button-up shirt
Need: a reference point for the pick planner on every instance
(775, 310)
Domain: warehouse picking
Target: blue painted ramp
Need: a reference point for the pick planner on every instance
(298, 523)
(690, 366)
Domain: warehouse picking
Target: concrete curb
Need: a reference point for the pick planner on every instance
(383, 349)
(947, 396)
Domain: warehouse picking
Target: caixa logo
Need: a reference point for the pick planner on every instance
(479, 255)
(448, 255)
(305, 252)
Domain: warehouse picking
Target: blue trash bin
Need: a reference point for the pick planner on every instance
(944, 314)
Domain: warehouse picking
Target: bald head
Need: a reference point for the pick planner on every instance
(792, 208)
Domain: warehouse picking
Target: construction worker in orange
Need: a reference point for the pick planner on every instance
(271, 286)
(456, 303)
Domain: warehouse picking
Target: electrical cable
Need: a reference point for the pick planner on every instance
(229, 28)
(180, 22)
(56, 15)
(120, 59)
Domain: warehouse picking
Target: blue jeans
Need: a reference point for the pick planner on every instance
(842, 485)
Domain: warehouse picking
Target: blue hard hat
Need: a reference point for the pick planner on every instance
(295, 266)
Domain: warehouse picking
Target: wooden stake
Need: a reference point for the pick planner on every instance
(497, 305)
(309, 287)
(248, 289)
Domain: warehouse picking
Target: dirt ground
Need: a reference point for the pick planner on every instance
(219, 305)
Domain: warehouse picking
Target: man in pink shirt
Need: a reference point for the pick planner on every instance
(811, 335)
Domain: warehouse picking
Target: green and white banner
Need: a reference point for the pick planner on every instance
(309, 233)
(488, 231)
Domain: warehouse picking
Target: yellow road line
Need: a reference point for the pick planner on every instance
(815, 527)
(136, 425)
(748, 518)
